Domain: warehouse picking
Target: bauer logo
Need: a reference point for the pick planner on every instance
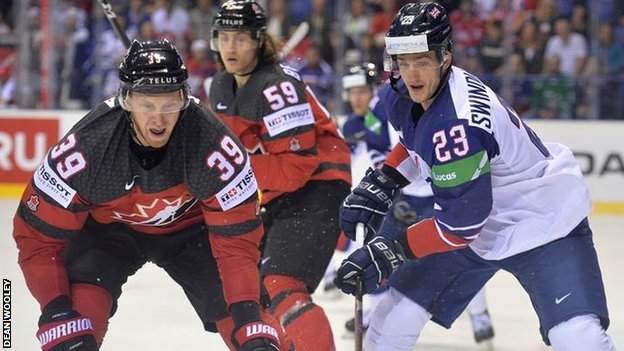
(52, 185)
(239, 189)
(289, 118)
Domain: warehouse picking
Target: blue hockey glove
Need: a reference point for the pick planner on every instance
(368, 203)
(371, 265)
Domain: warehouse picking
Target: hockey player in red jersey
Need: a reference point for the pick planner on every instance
(301, 163)
(148, 175)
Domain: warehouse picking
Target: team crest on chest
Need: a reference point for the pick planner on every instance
(159, 212)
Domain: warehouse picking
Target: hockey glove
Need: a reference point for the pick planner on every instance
(368, 203)
(251, 333)
(256, 336)
(369, 265)
(63, 329)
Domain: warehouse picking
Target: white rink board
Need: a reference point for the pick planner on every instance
(154, 313)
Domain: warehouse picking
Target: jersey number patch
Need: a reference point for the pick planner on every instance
(276, 95)
(70, 164)
(460, 143)
(218, 160)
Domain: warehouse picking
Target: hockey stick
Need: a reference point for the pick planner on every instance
(360, 233)
(298, 35)
(112, 18)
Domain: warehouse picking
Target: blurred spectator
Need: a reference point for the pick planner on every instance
(200, 66)
(467, 27)
(279, 26)
(320, 21)
(553, 93)
(619, 30)
(520, 94)
(4, 27)
(531, 48)
(578, 21)
(380, 23)
(171, 21)
(136, 13)
(299, 10)
(7, 84)
(608, 56)
(147, 31)
(109, 52)
(570, 47)
(491, 50)
(201, 19)
(544, 17)
(356, 25)
(607, 62)
(318, 74)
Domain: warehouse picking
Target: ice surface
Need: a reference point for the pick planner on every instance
(155, 315)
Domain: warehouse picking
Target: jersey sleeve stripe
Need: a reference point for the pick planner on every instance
(41, 226)
(236, 229)
(425, 238)
(326, 166)
(468, 227)
(446, 239)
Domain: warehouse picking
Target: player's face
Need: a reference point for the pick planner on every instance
(421, 74)
(238, 51)
(154, 116)
(359, 97)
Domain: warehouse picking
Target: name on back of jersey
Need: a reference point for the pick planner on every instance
(288, 118)
(51, 184)
(479, 104)
(239, 189)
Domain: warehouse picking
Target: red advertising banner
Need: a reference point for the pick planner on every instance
(23, 143)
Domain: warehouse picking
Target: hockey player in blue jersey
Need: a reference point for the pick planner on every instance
(368, 125)
(502, 200)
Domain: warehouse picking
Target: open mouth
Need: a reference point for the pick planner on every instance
(158, 131)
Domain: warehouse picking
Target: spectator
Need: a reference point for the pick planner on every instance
(356, 24)
(578, 21)
(467, 27)
(147, 31)
(571, 48)
(320, 28)
(544, 17)
(491, 49)
(201, 19)
(520, 85)
(279, 24)
(136, 13)
(171, 22)
(318, 75)
(200, 66)
(553, 93)
(619, 30)
(7, 85)
(380, 23)
(607, 61)
(530, 47)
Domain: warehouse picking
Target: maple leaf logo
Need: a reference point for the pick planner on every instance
(33, 202)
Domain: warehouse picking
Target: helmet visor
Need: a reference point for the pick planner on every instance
(155, 103)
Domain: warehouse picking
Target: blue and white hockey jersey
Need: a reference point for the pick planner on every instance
(497, 187)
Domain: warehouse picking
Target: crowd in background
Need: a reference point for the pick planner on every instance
(548, 58)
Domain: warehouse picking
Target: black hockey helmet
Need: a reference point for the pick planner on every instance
(419, 27)
(152, 67)
(361, 75)
(239, 15)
